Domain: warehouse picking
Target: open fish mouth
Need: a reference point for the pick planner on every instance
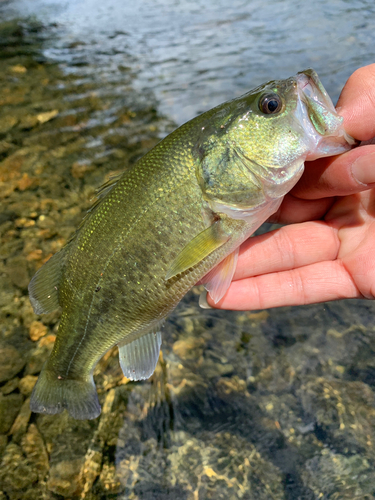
(316, 112)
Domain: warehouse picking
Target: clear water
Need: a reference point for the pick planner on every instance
(271, 404)
(195, 54)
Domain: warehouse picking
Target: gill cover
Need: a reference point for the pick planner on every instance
(225, 174)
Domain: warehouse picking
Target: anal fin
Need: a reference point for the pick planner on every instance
(138, 358)
(220, 277)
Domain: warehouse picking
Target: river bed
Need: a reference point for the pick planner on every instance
(275, 404)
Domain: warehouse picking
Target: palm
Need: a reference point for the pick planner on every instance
(312, 261)
(353, 217)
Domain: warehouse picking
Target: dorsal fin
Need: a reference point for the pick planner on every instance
(99, 195)
(44, 287)
(104, 189)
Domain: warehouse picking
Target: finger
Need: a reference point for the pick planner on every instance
(357, 103)
(319, 282)
(295, 210)
(342, 175)
(287, 248)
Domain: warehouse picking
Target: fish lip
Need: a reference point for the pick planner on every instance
(310, 87)
(312, 96)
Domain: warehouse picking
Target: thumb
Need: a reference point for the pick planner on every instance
(357, 103)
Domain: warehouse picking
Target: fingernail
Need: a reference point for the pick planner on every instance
(203, 301)
(363, 169)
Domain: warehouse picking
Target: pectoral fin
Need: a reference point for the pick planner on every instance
(220, 277)
(198, 248)
(138, 358)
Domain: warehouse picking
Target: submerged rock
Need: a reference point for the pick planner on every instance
(11, 362)
(334, 476)
(19, 426)
(345, 413)
(219, 466)
(9, 409)
(33, 446)
(16, 473)
(26, 384)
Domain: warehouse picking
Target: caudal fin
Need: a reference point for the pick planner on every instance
(52, 395)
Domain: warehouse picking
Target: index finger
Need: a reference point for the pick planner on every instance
(353, 171)
(342, 175)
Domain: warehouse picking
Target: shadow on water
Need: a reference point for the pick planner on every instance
(275, 404)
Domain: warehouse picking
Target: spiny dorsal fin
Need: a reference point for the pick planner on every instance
(138, 358)
(99, 195)
(105, 189)
(198, 248)
(44, 287)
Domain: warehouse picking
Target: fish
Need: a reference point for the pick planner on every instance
(177, 216)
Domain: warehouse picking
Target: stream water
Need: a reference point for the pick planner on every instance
(275, 404)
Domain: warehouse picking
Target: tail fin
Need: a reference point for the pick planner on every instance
(52, 395)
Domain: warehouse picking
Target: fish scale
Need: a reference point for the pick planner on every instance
(180, 212)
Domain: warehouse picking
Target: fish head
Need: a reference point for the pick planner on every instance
(253, 148)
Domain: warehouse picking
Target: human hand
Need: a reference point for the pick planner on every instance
(327, 251)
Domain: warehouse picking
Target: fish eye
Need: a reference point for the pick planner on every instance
(270, 104)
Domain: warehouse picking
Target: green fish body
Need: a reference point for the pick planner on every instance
(180, 214)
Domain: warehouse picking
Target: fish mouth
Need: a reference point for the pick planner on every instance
(323, 126)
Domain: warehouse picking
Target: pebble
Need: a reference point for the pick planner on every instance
(10, 386)
(37, 330)
(15, 472)
(18, 68)
(33, 445)
(19, 426)
(26, 384)
(188, 348)
(17, 271)
(64, 478)
(11, 362)
(9, 409)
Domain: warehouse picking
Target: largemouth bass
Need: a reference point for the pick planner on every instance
(178, 215)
